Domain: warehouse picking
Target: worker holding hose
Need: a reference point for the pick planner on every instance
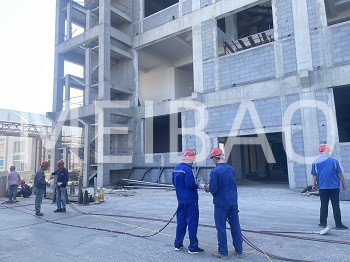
(61, 186)
(223, 187)
(187, 196)
(327, 175)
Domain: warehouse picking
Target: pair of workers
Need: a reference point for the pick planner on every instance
(224, 190)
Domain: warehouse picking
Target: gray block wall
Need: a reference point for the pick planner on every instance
(209, 76)
(321, 95)
(252, 65)
(188, 121)
(221, 118)
(208, 41)
(316, 48)
(345, 160)
(205, 3)
(341, 39)
(284, 18)
(136, 10)
(288, 101)
(289, 56)
(186, 7)
(345, 164)
(313, 13)
(161, 17)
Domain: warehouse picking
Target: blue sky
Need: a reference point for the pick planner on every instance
(27, 29)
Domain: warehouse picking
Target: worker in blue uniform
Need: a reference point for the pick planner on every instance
(61, 186)
(187, 196)
(222, 186)
(327, 175)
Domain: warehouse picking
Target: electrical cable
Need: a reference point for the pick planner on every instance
(264, 232)
(246, 240)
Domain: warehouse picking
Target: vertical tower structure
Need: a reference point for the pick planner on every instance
(95, 36)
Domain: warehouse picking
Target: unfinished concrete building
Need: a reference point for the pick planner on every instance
(278, 68)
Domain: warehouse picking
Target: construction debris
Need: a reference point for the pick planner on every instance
(307, 191)
(137, 184)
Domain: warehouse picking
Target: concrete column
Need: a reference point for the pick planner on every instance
(231, 26)
(87, 73)
(66, 93)
(196, 4)
(65, 156)
(59, 23)
(69, 21)
(58, 60)
(197, 58)
(104, 51)
(56, 152)
(142, 15)
(302, 35)
(135, 71)
(86, 165)
(278, 47)
(180, 7)
(326, 36)
(235, 160)
(57, 102)
(88, 19)
(103, 149)
(310, 130)
(216, 58)
(103, 169)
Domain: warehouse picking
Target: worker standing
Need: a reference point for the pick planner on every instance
(187, 196)
(13, 179)
(40, 186)
(61, 186)
(327, 175)
(222, 186)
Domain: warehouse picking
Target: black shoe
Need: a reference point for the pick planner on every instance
(63, 210)
(58, 210)
(196, 251)
(38, 214)
(341, 226)
(322, 225)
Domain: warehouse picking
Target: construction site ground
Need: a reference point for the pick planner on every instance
(25, 237)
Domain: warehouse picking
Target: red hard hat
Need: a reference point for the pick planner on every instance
(323, 148)
(45, 164)
(189, 153)
(216, 152)
(60, 163)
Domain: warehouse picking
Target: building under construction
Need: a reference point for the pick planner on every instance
(145, 79)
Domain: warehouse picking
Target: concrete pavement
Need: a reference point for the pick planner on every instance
(24, 237)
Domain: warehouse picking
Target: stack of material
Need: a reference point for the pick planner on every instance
(137, 184)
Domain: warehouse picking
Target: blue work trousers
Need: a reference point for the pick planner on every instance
(38, 199)
(61, 197)
(221, 215)
(12, 192)
(187, 216)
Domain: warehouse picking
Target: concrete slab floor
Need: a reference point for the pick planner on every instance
(24, 237)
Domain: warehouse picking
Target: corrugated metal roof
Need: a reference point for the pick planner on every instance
(24, 117)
